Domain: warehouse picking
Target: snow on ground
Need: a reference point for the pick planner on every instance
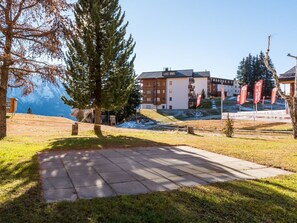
(136, 125)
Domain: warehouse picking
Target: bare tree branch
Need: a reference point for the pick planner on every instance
(273, 71)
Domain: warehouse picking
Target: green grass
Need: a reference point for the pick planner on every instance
(268, 200)
(156, 116)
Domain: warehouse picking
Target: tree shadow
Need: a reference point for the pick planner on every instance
(253, 139)
(264, 125)
(104, 141)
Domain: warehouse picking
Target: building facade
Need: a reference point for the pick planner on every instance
(172, 89)
(231, 87)
(289, 78)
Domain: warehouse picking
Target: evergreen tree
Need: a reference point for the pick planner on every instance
(100, 61)
(252, 69)
(134, 101)
(203, 96)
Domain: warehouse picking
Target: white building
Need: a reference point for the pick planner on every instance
(177, 93)
(170, 89)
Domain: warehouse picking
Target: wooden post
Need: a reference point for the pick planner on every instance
(75, 129)
(190, 130)
(113, 120)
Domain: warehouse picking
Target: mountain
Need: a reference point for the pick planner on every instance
(44, 100)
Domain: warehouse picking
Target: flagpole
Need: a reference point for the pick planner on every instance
(221, 108)
(222, 104)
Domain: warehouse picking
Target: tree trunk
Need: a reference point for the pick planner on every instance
(97, 124)
(3, 92)
(293, 114)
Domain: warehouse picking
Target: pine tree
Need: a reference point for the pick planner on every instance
(252, 69)
(100, 61)
(203, 96)
(133, 101)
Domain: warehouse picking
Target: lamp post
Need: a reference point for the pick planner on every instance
(295, 84)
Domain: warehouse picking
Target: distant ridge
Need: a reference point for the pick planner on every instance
(44, 100)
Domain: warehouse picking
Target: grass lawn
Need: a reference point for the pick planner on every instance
(154, 115)
(267, 200)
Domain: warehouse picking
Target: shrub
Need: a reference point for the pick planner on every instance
(228, 129)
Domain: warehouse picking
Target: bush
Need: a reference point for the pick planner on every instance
(228, 129)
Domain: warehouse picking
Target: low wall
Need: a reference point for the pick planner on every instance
(265, 116)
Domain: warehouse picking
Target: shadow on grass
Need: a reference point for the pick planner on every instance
(264, 125)
(250, 201)
(107, 141)
(253, 139)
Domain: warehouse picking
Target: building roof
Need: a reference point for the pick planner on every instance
(288, 76)
(148, 75)
(166, 74)
(202, 74)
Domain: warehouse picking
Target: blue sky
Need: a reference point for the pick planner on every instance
(210, 34)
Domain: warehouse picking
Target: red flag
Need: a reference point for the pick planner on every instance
(223, 93)
(238, 99)
(258, 91)
(273, 95)
(198, 100)
(243, 94)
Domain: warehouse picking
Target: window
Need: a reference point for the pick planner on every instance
(170, 82)
(170, 106)
(148, 92)
(158, 91)
(148, 99)
(170, 91)
(158, 99)
(163, 91)
(148, 83)
(170, 99)
(163, 106)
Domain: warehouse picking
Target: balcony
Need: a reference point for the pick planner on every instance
(191, 87)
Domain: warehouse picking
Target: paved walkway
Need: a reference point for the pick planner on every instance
(103, 173)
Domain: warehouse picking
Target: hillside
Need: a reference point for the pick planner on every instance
(44, 100)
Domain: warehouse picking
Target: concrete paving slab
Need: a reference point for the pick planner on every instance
(160, 184)
(51, 164)
(108, 172)
(103, 190)
(86, 180)
(276, 172)
(107, 168)
(261, 173)
(129, 188)
(168, 171)
(130, 166)
(46, 185)
(60, 195)
(187, 181)
(140, 174)
(121, 160)
(117, 177)
(59, 183)
(53, 172)
(81, 171)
